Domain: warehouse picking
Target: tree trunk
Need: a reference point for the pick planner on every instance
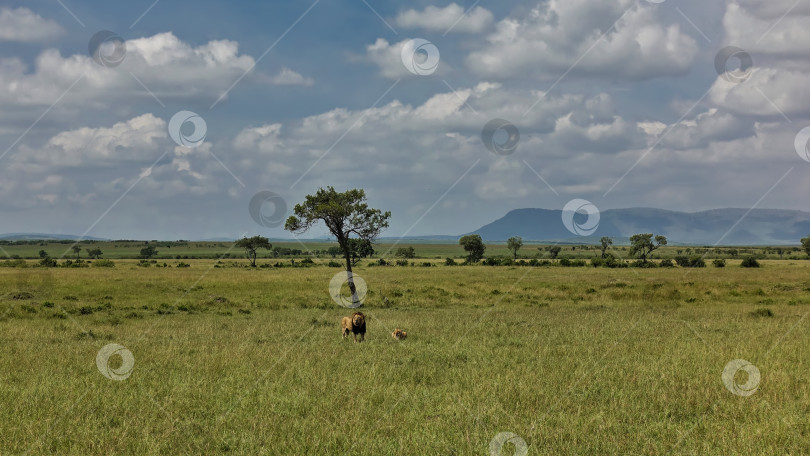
(352, 288)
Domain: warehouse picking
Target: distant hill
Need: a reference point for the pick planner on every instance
(45, 237)
(759, 227)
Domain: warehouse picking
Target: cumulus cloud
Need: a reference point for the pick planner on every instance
(452, 17)
(289, 77)
(554, 36)
(167, 66)
(90, 164)
(778, 82)
(388, 58)
(22, 24)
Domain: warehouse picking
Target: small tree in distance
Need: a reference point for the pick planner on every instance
(148, 252)
(406, 252)
(514, 244)
(474, 246)
(553, 250)
(251, 245)
(77, 250)
(806, 245)
(643, 245)
(348, 218)
(606, 244)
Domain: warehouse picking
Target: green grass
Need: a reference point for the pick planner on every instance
(429, 250)
(250, 361)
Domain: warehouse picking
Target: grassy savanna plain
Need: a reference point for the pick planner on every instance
(168, 250)
(236, 360)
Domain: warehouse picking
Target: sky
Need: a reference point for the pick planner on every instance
(448, 114)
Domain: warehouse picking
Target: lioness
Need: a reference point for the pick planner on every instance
(399, 334)
(355, 324)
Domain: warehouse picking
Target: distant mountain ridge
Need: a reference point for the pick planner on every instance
(45, 237)
(716, 226)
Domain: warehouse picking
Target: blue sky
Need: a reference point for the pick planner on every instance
(617, 102)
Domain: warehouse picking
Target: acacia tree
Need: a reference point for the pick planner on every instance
(251, 245)
(606, 243)
(553, 250)
(348, 218)
(514, 244)
(643, 245)
(148, 252)
(474, 246)
(806, 245)
(77, 250)
(406, 252)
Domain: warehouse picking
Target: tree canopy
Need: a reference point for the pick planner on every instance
(514, 244)
(474, 246)
(251, 245)
(643, 245)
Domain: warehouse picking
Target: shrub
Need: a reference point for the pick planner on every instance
(402, 262)
(309, 261)
(183, 265)
(334, 264)
(103, 264)
(719, 263)
(427, 264)
(48, 262)
(447, 262)
(16, 263)
(382, 262)
(749, 262)
(667, 263)
(643, 264)
(490, 262)
(694, 261)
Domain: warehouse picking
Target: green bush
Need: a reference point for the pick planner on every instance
(642, 264)
(334, 264)
(694, 261)
(48, 262)
(749, 262)
(447, 262)
(719, 263)
(402, 262)
(667, 263)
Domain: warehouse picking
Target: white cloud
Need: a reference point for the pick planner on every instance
(778, 82)
(388, 58)
(555, 36)
(22, 24)
(452, 17)
(167, 66)
(289, 77)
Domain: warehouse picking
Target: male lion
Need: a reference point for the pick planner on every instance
(355, 324)
(399, 334)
